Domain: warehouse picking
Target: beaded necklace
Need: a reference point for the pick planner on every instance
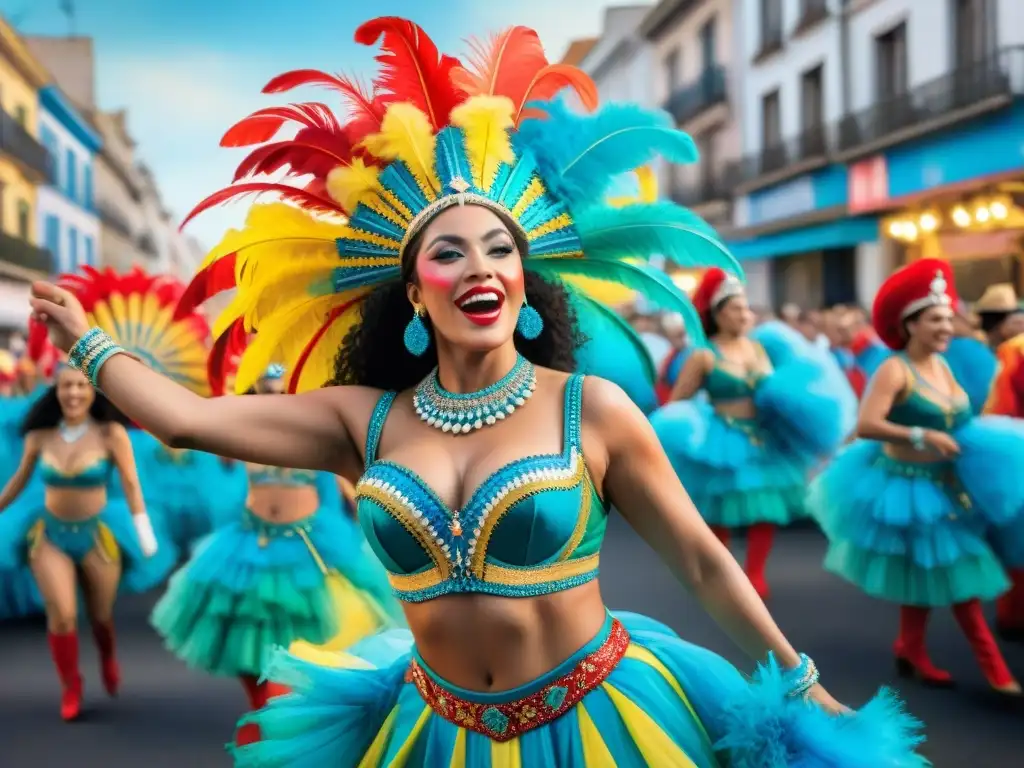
(464, 413)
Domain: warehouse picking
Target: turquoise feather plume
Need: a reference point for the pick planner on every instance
(578, 155)
(653, 284)
(644, 229)
(614, 351)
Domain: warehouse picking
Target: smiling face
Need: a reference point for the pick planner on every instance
(932, 328)
(75, 395)
(469, 278)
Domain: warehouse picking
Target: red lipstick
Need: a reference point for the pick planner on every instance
(481, 305)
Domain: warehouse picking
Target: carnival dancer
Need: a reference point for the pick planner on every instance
(1007, 399)
(907, 509)
(288, 565)
(486, 486)
(75, 437)
(743, 453)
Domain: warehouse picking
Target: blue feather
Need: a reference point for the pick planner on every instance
(650, 282)
(645, 229)
(974, 366)
(579, 155)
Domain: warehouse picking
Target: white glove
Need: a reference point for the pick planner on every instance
(147, 539)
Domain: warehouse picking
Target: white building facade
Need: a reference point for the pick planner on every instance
(67, 222)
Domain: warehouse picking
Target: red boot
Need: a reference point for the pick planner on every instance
(64, 649)
(110, 671)
(972, 621)
(255, 691)
(759, 546)
(910, 650)
(721, 533)
(1010, 609)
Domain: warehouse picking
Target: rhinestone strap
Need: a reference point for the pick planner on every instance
(804, 677)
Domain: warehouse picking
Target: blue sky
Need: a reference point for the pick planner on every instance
(187, 69)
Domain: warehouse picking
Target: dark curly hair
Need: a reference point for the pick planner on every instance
(373, 352)
(45, 413)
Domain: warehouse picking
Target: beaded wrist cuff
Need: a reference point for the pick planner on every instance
(804, 677)
(91, 351)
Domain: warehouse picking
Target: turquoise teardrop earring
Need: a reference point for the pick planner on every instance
(416, 337)
(530, 323)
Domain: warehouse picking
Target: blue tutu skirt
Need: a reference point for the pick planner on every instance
(733, 470)
(252, 585)
(637, 695)
(904, 532)
(112, 531)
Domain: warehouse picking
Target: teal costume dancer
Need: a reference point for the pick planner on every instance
(916, 532)
(252, 585)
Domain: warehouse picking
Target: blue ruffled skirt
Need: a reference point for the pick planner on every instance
(665, 702)
(27, 522)
(906, 532)
(733, 470)
(252, 585)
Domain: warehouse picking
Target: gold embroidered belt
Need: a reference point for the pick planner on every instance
(506, 720)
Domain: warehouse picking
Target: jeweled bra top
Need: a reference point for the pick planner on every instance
(93, 474)
(723, 385)
(533, 527)
(261, 476)
(937, 411)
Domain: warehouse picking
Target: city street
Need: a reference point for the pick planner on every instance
(168, 717)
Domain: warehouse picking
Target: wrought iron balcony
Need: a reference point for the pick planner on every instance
(20, 145)
(709, 189)
(810, 146)
(113, 218)
(937, 101)
(705, 92)
(24, 254)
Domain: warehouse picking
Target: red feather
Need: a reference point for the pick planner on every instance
(513, 64)
(301, 197)
(312, 151)
(334, 314)
(216, 278)
(223, 356)
(366, 110)
(412, 70)
(264, 124)
(38, 343)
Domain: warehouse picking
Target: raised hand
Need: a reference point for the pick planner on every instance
(63, 315)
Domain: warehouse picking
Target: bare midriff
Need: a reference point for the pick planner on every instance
(283, 504)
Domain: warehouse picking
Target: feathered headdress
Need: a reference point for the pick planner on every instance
(430, 134)
(137, 311)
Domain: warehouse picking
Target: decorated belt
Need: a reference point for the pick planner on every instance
(505, 721)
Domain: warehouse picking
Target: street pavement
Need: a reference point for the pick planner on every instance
(170, 717)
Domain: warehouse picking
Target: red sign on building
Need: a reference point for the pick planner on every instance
(868, 185)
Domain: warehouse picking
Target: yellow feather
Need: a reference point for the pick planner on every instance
(319, 367)
(282, 338)
(349, 185)
(406, 135)
(647, 189)
(486, 121)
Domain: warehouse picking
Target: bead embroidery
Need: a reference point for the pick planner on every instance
(506, 721)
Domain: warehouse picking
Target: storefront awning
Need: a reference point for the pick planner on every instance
(817, 237)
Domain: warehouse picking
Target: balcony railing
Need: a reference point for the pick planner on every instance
(1001, 74)
(709, 189)
(22, 253)
(19, 144)
(113, 218)
(147, 245)
(811, 145)
(705, 92)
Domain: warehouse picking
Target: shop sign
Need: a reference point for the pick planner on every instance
(793, 198)
(868, 185)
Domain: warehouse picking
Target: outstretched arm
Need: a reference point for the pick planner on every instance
(312, 431)
(639, 480)
(120, 447)
(21, 476)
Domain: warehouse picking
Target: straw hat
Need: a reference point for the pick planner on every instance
(999, 297)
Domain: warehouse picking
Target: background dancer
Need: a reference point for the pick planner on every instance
(517, 661)
(908, 509)
(744, 453)
(288, 565)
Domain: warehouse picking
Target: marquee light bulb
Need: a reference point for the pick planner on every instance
(961, 217)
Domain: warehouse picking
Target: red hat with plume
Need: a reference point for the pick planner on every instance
(917, 286)
(715, 287)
